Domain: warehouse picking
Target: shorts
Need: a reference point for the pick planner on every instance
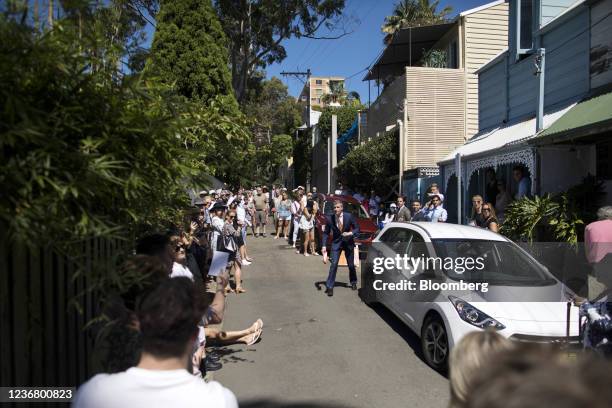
(260, 217)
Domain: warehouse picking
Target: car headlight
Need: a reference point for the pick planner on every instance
(474, 316)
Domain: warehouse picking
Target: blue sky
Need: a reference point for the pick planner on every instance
(349, 54)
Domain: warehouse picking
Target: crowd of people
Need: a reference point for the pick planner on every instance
(162, 334)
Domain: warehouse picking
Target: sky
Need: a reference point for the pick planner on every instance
(350, 55)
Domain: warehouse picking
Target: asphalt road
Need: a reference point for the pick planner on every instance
(317, 351)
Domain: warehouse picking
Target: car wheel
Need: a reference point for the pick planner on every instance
(434, 343)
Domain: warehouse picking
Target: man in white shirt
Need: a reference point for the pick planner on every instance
(168, 319)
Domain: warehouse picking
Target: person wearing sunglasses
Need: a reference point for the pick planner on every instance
(490, 221)
(434, 212)
(179, 266)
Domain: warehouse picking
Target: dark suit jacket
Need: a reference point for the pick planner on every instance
(349, 224)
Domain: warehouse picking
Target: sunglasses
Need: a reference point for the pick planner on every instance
(178, 248)
(486, 209)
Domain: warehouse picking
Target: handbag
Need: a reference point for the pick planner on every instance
(229, 243)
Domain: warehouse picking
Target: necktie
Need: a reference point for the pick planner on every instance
(340, 225)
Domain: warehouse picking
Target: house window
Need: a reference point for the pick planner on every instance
(453, 58)
(525, 26)
(318, 81)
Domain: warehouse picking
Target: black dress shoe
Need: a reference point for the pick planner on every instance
(330, 291)
(212, 365)
(354, 286)
(212, 356)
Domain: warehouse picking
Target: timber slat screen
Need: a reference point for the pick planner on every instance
(43, 341)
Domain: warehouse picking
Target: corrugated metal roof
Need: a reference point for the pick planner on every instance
(504, 135)
(406, 48)
(586, 113)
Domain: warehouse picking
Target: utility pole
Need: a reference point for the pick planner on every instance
(299, 75)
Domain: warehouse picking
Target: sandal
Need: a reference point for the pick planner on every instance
(252, 338)
(240, 290)
(229, 290)
(255, 327)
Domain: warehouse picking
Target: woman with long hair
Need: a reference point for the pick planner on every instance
(284, 215)
(307, 227)
(230, 235)
(490, 221)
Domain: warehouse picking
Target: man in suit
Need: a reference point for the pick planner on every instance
(403, 213)
(343, 226)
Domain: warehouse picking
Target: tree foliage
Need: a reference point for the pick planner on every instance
(371, 165)
(559, 217)
(347, 114)
(270, 156)
(272, 108)
(86, 152)
(414, 13)
(257, 30)
(189, 49)
(189, 52)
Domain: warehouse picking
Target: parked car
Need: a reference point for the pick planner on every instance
(367, 228)
(524, 301)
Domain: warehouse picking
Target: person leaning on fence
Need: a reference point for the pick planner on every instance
(168, 317)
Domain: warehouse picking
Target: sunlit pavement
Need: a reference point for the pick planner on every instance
(318, 351)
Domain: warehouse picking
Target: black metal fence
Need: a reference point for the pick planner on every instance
(44, 310)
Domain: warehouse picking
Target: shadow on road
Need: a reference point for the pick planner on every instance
(228, 354)
(267, 403)
(400, 328)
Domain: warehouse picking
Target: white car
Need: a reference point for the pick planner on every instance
(523, 300)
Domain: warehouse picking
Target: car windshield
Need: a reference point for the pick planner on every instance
(355, 209)
(498, 263)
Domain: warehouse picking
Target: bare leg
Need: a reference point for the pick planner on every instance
(229, 337)
(306, 242)
(279, 224)
(285, 228)
(238, 278)
(313, 247)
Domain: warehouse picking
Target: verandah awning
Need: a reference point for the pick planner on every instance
(588, 117)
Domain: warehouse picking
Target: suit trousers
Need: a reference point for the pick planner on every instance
(333, 267)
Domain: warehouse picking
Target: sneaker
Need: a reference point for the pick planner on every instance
(306, 254)
(245, 262)
(264, 235)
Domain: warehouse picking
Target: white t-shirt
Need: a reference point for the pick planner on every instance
(180, 270)
(140, 388)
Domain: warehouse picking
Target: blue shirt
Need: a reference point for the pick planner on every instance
(524, 188)
(435, 214)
